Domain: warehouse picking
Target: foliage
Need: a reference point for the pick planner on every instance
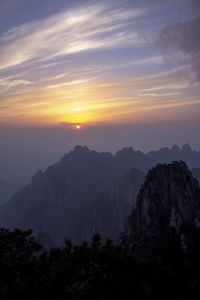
(90, 271)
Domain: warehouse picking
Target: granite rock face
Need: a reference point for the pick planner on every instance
(168, 205)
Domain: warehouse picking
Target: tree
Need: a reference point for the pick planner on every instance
(17, 262)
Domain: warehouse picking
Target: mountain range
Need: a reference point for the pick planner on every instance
(86, 192)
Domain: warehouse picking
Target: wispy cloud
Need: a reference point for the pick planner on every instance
(74, 82)
(8, 83)
(89, 100)
(93, 27)
(55, 77)
(59, 68)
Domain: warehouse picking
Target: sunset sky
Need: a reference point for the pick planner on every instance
(97, 61)
(100, 63)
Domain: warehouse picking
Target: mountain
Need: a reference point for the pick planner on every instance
(54, 201)
(128, 157)
(167, 207)
(107, 213)
(7, 189)
(166, 155)
(85, 192)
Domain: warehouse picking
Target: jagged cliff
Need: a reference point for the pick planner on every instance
(168, 206)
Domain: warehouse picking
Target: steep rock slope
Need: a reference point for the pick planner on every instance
(168, 205)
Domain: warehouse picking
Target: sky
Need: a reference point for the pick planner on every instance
(127, 72)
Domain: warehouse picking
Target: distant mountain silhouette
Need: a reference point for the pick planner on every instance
(86, 191)
(166, 155)
(55, 199)
(7, 189)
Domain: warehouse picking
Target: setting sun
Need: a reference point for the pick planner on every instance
(78, 127)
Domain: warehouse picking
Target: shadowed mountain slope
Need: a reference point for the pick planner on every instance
(167, 207)
(84, 192)
(55, 199)
(107, 214)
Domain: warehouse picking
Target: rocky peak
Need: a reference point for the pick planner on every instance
(175, 148)
(128, 157)
(186, 148)
(168, 202)
(81, 149)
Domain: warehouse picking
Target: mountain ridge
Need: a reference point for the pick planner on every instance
(59, 199)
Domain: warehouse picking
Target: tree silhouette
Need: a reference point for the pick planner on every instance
(91, 271)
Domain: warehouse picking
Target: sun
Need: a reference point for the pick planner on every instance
(78, 127)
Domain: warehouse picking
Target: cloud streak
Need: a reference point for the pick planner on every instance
(89, 100)
(8, 83)
(83, 29)
(88, 64)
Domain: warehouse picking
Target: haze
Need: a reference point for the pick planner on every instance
(126, 71)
